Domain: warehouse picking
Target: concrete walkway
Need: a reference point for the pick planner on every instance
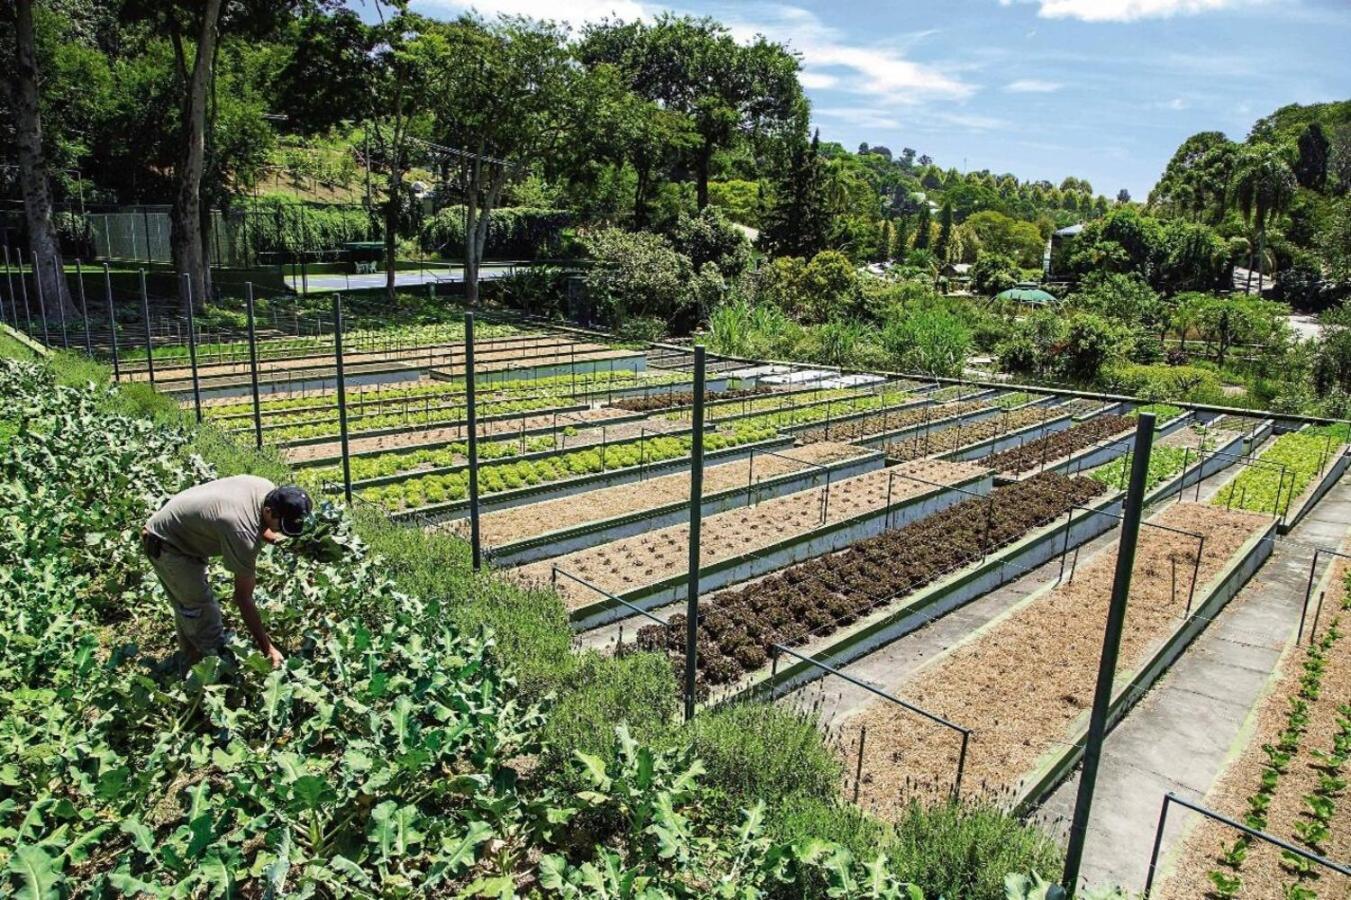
(1183, 732)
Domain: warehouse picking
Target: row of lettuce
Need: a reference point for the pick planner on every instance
(401, 745)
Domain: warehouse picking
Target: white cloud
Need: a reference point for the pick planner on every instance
(1176, 104)
(875, 69)
(1127, 10)
(859, 116)
(574, 12)
(813, 80)
(1032, 86)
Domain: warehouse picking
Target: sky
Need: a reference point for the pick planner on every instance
(1099, 89)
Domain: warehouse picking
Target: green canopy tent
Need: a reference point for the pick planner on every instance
(1029, 295)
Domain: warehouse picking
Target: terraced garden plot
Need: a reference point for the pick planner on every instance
(1054, 447)
(1167, 458)
(401, 442)
(418, 416)
(1023, 682)
(628, 564)
(511, 525)
(832, 410)
(361, 397)
(1288, 778)
(774, 401)
(673, 399)
(416, 491)
(949, 439)
(1081, 407)
(442, 353)
(1304, 454)
(1015, 398)
(357, 338)
(857, 429)
(807, 602)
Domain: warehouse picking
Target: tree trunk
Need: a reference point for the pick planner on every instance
(185, 216)
(392, 230)
(1261, 251)
(45, 249)
(705, 162)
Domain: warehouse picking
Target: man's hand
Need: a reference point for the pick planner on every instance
(244, 585)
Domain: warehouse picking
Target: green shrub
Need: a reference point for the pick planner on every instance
(514, 232)
(964, 850)
(1190, 383)
(602, 692)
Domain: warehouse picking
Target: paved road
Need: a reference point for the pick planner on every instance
(1184, 731)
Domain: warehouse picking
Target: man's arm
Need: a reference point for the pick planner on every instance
(244, 585)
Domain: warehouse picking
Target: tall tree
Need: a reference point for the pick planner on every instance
(944, 243)
(1311, 167)
(502, 95)
(923, 227)
(1263, 188)
(44, 247)
(798, 220)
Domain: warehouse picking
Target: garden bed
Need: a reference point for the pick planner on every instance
(556, 527)
(969, 441)
(680, 399)
(1314, 459)
(352, 352)
(395, 442)
(1302, 710)
(506, 485)
(649, 570)
(840, 608)
(874, 430)
(1024, 683)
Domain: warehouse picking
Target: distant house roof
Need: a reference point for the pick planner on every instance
(1071, 230)
(957, 269)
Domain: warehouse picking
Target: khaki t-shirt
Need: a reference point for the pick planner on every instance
(220, 518)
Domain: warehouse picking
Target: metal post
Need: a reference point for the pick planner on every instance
(342, 397)
(192, 345)
(23, 289)
(61, 303)
(1308, 592)
(858, 770)
(112, 321)
(471, 415)
(42, 300)
(84, 310)
(253, 368)
(961, 765)
(145, 314)
(1158, 844)
(9, 279)
(696, 509)
(1318, 610)
(1111, 648)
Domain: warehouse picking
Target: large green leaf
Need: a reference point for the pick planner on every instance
(35, 873)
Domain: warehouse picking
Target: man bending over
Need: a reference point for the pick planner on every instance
(229, 518)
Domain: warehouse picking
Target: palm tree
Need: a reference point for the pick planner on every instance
(1263, 188)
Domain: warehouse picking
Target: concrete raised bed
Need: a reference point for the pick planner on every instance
(558, 543)
(1005, 441)
(444, 512)
(1102, 452)
(826, 539)
(1130, 687)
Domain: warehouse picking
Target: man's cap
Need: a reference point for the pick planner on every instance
(291, 505)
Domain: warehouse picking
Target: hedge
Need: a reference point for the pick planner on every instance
(514, 232)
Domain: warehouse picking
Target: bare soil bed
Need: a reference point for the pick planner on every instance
(811, 600)
(856, 429)
(956, 437)
(670, 400)
(522, 522)
(1057, 446)
(423, 437)
(1261, 873)
(1022, 682)
(625, 565)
